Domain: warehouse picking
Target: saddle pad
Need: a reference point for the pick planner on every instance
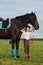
(5, 28)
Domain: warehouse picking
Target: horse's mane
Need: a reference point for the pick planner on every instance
(22, 16)
(27, 15)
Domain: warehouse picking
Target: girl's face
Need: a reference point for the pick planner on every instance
(27, 29)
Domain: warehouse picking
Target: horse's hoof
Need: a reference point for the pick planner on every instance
(14, 57)
(17, 56)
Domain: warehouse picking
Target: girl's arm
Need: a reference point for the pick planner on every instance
(33, 30)
(23, 30)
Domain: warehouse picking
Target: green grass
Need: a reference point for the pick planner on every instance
(36, 54)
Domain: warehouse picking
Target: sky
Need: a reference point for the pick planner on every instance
(13, 8)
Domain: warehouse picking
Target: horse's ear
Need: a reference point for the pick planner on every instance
(31, 12)
(34, 12)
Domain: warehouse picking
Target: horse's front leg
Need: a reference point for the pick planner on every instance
(13, 50)
(17, 49)
(17, 46)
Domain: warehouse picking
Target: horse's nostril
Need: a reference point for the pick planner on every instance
(37, 27)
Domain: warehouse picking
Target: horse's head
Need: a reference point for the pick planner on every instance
(33, 20)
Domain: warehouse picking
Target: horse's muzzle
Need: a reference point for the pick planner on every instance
(37, 27)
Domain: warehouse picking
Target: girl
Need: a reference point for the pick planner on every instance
(26, 31)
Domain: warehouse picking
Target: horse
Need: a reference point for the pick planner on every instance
(14, 33)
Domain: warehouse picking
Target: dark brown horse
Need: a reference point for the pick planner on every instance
(18, 23)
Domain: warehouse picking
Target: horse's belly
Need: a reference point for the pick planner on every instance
(3, 34)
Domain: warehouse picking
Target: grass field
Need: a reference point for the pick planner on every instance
(36, 54)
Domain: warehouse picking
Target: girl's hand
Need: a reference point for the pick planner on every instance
(22, 30)
(33, 29)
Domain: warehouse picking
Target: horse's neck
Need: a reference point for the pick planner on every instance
(20, 22)
(23, 23)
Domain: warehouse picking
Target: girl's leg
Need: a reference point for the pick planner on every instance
(25, 47)
(28, 48)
